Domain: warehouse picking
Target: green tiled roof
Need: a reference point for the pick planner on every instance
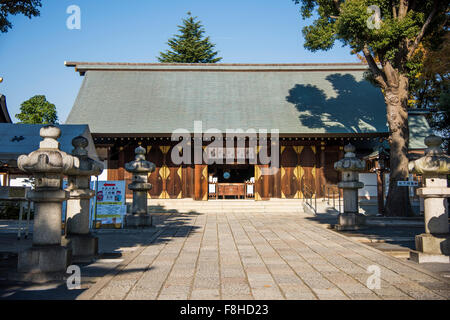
(419, 129)
(159, 98)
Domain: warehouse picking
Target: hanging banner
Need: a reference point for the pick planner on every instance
(110, 202)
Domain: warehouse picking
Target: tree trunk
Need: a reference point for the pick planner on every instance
(396, 97)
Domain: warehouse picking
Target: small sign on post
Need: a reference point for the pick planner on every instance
(407, 183)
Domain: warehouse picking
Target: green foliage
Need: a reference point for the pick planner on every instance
(37, 110)
(320, 36)
(190, 46)
(426, 66)
(440, 120)
(429, 86)
(346, 21)
(28, 8)
(391, 49)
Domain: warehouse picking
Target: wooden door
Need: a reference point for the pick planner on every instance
(155, 155)
(175, 177)
(201, 182)
(290, 172)
(308, 164)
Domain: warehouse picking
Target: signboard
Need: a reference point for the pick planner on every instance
(407, 183)
(13, 193)
(110, 202)
(230, 153)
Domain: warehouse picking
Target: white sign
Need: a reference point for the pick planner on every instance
(407, 183)
(230, 153)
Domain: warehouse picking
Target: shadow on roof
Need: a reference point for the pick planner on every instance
(353, 109)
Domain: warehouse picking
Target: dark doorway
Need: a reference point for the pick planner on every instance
(235, 181)
(235, 173)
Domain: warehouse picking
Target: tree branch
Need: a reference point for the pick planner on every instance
(394, 12)
(403, 9)
(373, 67)
(419, 37)
(337, 5)
(391, 75)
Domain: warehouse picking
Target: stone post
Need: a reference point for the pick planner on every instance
(350, 166)
(434, 244)
(47, 165)
(84, 245)
(140, 168)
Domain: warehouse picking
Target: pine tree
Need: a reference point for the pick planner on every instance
(190, 46)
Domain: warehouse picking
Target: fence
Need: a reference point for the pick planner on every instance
(310, 200)
(332, 196)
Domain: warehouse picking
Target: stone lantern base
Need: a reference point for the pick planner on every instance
(84, 247)
(137, 221)
(44, 259)
(431, 248)
(351, 221)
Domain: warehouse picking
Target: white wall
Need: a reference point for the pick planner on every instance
(370, 185)
(104, 175)
(19, 182)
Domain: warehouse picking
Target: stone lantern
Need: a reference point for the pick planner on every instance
(84, 245)
(350, 166)
(47, 165)
(434, 244)
(140, 168)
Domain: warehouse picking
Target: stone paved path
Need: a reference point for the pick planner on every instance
(259, 256)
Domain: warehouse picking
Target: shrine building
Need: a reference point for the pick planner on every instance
(309, 111)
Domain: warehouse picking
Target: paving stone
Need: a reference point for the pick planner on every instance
(272, 255)
(205, 294)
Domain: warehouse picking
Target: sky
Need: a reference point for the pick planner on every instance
(33, 52)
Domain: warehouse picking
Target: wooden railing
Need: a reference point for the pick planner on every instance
(332, 196)
(310, 200)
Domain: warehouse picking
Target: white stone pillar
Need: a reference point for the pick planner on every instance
(434, 244)
(84, 245)
(350, 166)
(47, 165)
(140, 168)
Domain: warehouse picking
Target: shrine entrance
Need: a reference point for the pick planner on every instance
(231, 181)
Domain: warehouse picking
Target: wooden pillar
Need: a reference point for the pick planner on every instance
(341, 155)
(197, 182)
(261, 182)
(380, 191)
(321, 181)
(265, 194)
(121, 164)
(201, 182)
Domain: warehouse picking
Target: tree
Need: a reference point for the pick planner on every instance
(29, 8)
(190, 46)
(392, 38)
(429, 87)
(428, 79)
(37, 110)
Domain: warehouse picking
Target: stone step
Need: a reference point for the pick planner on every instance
(225, 208)
(235, 212)
(228, 205)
